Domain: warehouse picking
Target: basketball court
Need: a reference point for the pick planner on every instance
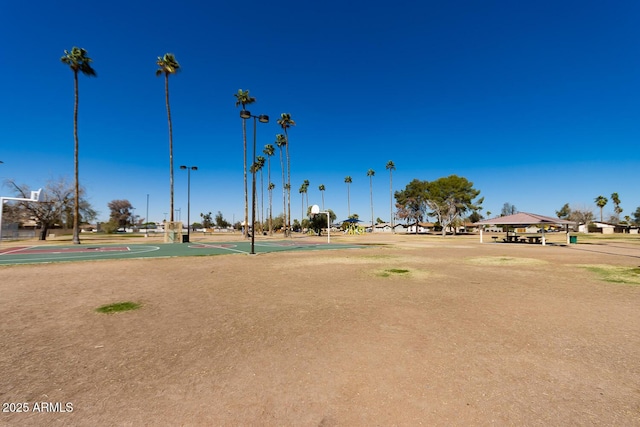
(48, 254)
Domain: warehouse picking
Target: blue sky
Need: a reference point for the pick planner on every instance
(536, 103)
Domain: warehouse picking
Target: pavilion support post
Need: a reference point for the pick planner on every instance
(481, 229)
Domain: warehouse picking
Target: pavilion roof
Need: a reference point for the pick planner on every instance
(523, 218)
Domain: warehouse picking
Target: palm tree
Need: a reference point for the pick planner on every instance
(243, 98)
(601, 201)
(321, 188)
(168, 65)
(285, 123)
(348, 180)
(306, 186)
(302, 191)
(269, 150)
(260, 161)
(391, 167)
(371, 173)
(616, 205)
(281, 142)
(77, 60)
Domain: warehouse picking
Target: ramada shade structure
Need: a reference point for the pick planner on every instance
(524, 219)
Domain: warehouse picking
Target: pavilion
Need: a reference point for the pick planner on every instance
(524, 219)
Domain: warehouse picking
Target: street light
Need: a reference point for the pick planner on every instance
(189, 169)
(262, 118)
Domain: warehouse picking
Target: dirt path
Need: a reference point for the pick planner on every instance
(471, 334)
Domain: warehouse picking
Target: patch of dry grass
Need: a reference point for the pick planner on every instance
(616, 274)
(504, 260)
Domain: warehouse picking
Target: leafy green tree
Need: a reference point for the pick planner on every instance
(207, 222)
(348, 181)
(636, 216)
(220, 221)
(319, 222)
(285, 123)
(564, 212)
(243, 98)
(411, 203)
(371, 173)
(601, 202)
(78, 60)
(391, 167)
(168, 65)
(449, 197)
(120, 212)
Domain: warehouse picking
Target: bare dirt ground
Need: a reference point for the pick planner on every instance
(472, 334)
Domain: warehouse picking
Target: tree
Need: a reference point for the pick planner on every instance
(207, 222)
(616, 206)
(348, 181)
(371, 173)
(508, 209)
(391, 167)
(306, 193)
(56, 206)
(303, 190)
(636, 216)
(564, 212)
(269, 151)
(168, 65)
(220, 221)
(281, 142)
(321, 188)
(450, 197)
(285, 123)
(319, 222)
(260, 162)
(581, 215)
(411, 202)
(120, 212)
(243, 98)
(601, 202)
(78, 60)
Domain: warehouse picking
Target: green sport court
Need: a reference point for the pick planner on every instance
(48, 254)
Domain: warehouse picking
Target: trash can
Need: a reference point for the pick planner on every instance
(185, 238)
(573, 239)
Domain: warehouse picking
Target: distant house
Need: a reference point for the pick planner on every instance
(423, 227)
(607, 228)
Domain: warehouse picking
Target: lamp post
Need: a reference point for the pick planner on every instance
(262, 118)
(189, 169)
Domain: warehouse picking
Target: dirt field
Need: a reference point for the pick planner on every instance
(471, 334)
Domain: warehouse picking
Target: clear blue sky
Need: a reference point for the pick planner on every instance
(536, 103)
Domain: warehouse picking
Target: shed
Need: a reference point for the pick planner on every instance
(524, 219)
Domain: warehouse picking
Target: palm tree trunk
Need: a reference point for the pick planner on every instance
(246, 189)
(348, 202)
(270, 195)
(166, 95)
(371, 198)
(393, 230)
(76, 202)
(286, 137)
(322, 199)
(284, 196)
(261, 202)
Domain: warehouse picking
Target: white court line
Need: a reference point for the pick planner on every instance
(77, 255)
(208, 246)
(18, 250)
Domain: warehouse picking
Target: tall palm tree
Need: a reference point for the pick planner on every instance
(302, 191)
(260, 162)
(243, 98)
(306, 193)
(285, 123)
(348, 181)
(371, 173)
(321, 188)
(281, 142)
(601, 202)
(78, 60)
(391, 167)
(168, 65)
(615, 198)
(269, 150)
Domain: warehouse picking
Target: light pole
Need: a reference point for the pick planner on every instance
(188, 169)
(262, 118)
